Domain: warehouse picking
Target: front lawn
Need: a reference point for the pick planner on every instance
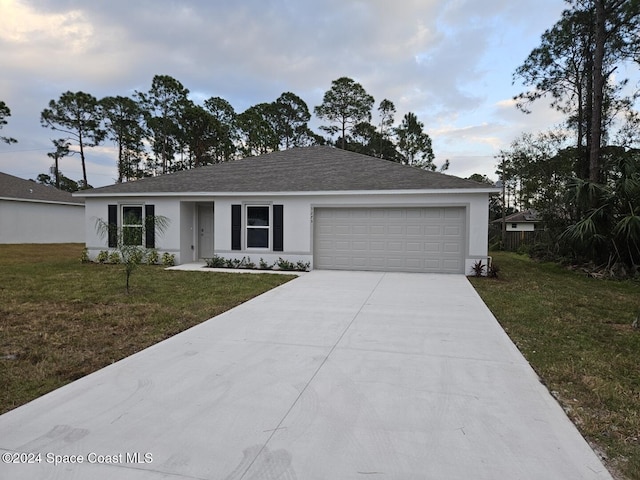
(61, 319)
(576, 332)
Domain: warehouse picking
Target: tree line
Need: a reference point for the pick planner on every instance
(583, 177)
(162, 130)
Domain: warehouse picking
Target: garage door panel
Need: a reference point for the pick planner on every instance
(395, 247)
(452, 231)
(360, 262)
(453, 213)
(377, 246)
(414, 247)
(451, 266)
(415, 230)
(432, 231)
(432, 247)
(360, 246)
(390, 239)
(451, 248)
(432, 213)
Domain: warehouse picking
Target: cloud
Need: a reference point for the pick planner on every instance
(449, 61)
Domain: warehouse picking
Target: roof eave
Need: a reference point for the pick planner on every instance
(304, 193)
(33, 200)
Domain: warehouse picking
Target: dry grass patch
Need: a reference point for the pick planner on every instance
(61, 320)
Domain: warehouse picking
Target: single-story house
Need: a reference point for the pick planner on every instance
(525, 221)
(332, 208)
(35, 213)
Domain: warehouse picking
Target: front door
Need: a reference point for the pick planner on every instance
(205, 231)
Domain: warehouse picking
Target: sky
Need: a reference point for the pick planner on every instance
(451, 62)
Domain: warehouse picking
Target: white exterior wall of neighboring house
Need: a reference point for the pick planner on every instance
(520, 226)
(31, 221)
(182, 235)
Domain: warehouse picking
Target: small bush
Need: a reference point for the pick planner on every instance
(153, 257)
(84, 257)
(264, 265)
(102, 257)
(248, 264)
(303, 266)
(216, 262)
(114, 257)
(232, 263)
(285, 264)
(168, 259)
(478, 269)
(494, 270)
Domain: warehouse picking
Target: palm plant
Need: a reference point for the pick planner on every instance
(129, 243)
(608, 229)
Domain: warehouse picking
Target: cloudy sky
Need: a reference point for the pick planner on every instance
(449, 61)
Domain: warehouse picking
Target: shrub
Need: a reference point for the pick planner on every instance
(102, 257)
(114, 257)
(168, 259)
(285, 264)
(264, 265)
(153, 257)
(232, 263)
(303, 266)
(84, 257)
(216, 262)
(478, 269)
(493, 270)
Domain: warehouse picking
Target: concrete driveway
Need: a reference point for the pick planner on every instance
(335, 375)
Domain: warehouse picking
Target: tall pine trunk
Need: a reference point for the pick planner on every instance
(598, 92)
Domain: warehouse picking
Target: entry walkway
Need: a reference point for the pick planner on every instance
(334, 375)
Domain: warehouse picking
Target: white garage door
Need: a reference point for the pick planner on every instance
(390, 239)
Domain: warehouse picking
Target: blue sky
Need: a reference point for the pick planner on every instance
(449, 61)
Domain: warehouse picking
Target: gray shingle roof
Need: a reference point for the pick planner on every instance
(308, 169)
(521, 217)
(21, 189)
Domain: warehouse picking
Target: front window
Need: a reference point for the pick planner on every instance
(258, 226)
(132, 226)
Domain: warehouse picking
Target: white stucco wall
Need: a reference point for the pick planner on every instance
(181, 237)
(520, 227)
(298, 230)
(97, 208)
(41, 222)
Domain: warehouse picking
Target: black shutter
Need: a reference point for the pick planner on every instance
(150, 226)
(112, 232)
(236, 227)
(278, 229)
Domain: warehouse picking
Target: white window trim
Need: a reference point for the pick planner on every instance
(142, 219)
(266, 227)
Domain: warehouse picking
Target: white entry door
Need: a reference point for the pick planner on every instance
(205, 231)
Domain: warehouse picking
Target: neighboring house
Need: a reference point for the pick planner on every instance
(333, 208)
(525, 221)
(34, 213)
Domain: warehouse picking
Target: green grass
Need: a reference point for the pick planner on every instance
(61, 319)
(576, 333)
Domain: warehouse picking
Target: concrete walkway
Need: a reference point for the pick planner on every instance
(334, 375)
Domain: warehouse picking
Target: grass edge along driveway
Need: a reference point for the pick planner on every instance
(61, 320)
(576, 333)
